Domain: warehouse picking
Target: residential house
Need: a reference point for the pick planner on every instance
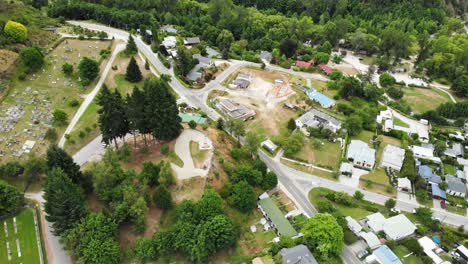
(393, 157)
(299, 254)
(266, 57)
(456, 151)
(203, 63)
(315, 118)
(404, 185)
(233, 109)
(398, 227)
(361, 155)
(346, 168)
(375, 222)
(212, 53)
(353, 225)
(371, 239)
(458, 135)
(192, 41)
(169, 42)
(425, 152)
(325, 68)
(242, 81)
(462, 251)
(269, 145)
(169, 29)
(323, 100)
(273, 214)
(438, 193)
(426, 173)
(430, 248)
(456, 186)
(383, 255)
(304, 64)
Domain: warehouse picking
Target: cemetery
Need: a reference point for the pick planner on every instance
(19, 239)
(26, 112)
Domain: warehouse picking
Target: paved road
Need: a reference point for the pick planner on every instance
(300, 196)
(90, 97)
(307, 182)
(55, 252)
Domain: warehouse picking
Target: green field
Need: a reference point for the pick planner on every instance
(422, 100)
(26, 236)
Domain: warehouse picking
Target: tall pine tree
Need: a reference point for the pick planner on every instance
(135, 112)
(59, 158)
(65, 202)
(131, 47)
(161, 110)
(133, 71)
(113, 120)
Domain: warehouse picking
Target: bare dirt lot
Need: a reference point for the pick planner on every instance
(7, 58)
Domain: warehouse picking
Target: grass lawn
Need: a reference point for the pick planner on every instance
(175, 159)
(45, 91)
(422, 100)
(399, 122)
(26, 236)
(358, 212)
(456, 210)
(315, 172)
(365, 136)
(328, 155)
(402, 251)
(449, 169)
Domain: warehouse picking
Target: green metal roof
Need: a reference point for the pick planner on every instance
(282, 224)
(187, 117)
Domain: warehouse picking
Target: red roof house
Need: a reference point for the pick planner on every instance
(304, 64)
(325, 68)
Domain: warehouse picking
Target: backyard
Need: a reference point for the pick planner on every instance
(23, 235)
(26, 113)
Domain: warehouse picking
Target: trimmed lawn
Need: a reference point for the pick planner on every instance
(365, 136)
(449, 169)
(309, 170)
(399, 122)
(26, 236)
(422, 100)
(402, 251)
(456, 210)
(328, 155)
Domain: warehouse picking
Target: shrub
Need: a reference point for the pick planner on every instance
(16, 31)
(192, 124)
(82, 134)
(165, 150)
(325, 206)
(60, 117)
(74, 103)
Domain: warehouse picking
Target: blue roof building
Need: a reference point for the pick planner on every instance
(426, 173)
(437, 192)
(385, 255)
(323, 100)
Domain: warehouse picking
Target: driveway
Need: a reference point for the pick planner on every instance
(182, 149)
(353, 181)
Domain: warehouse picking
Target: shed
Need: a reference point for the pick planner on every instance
(346, 168)
(353, 225)
(371, 239)
(269, 145)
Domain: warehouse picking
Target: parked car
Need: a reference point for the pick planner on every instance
(362, 254)
(396, 211)
(443, 204)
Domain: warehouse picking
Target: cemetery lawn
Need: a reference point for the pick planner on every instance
(27, 239)
(34, 99)
(87, 127)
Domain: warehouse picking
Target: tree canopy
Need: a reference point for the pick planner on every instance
(324, 236)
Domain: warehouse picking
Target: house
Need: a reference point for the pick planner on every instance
(304, 64)
(325, 68)
(383, 255)
(456, 151)
(323, 100)
(353, 225)
(169, 42)
(462, 251)
(315, 118)
(233, 109)
(430, 248)
(273, 214)
(269, 145)
(346, 168)
(438, 193)
(361, 154)
(371, 239)
(299, 254)
(203, 63)
(375, 222)
(426, 173)
(266, 57)
(393, 157)
(458, 135)
(404, 185)
(425, 152)
(212, 53)
(169, 29)
(192, 41)
(455, 187)
(384, 115)
(242, 81)
(398, 227)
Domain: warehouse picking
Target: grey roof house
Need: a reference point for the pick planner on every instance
(316, 118)
(266, 56)
(455, 187)
(426, 173)
(299, 254)
(203, 63)
(393, 157)
(361, 154)
(456, 151)
(169, 29)
(192, 41)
